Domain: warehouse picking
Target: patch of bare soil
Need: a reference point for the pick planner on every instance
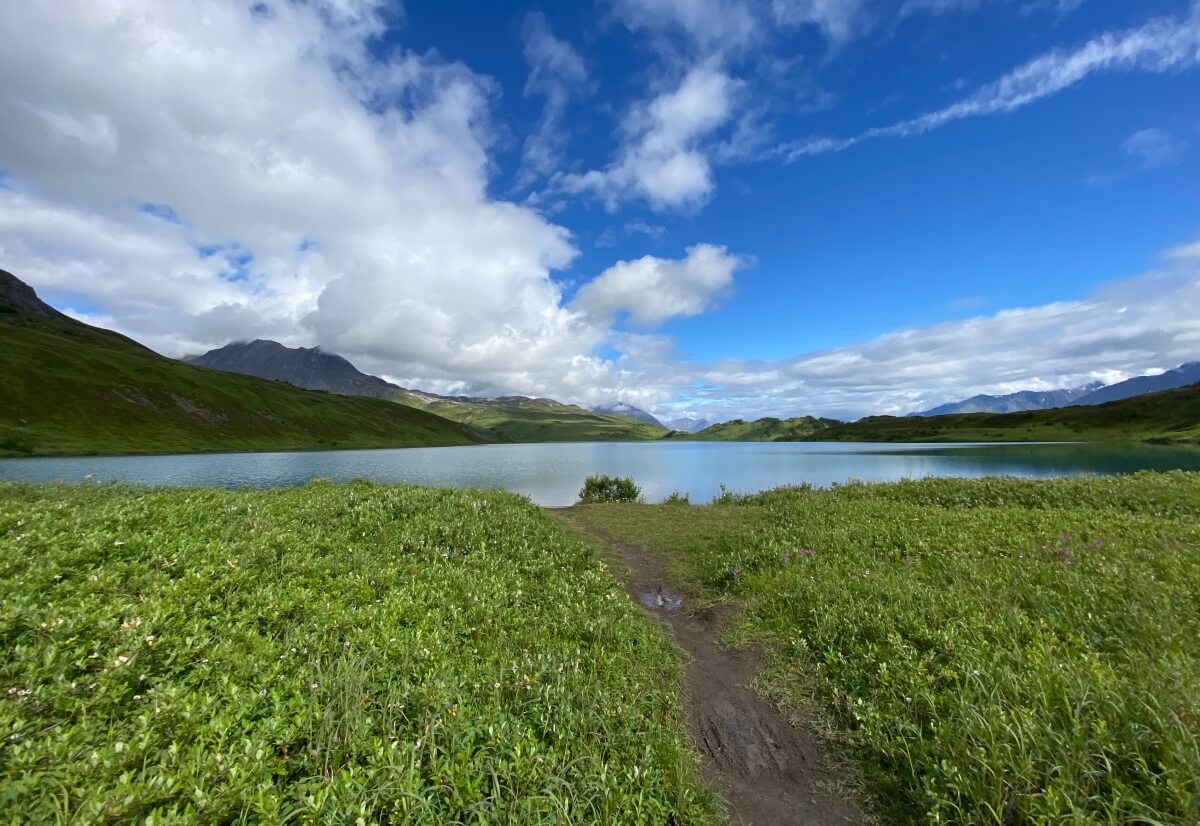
(768, 771)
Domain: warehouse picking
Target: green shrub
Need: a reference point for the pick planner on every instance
(609, 489)
(677, 498)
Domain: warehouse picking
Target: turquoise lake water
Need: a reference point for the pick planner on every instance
(552, 474)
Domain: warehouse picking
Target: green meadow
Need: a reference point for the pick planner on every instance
(325, 654)
(983, 651)
(990, 651)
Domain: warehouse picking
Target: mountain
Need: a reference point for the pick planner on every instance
(69, 388)
(623, 409)
(312, 369)
(688, 425)
(1180, 376)
(507, 418)
(760, 430)
(1015, 402)
(1168, 416)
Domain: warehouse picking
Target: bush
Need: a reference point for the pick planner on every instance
(677, 498)
(609, 489)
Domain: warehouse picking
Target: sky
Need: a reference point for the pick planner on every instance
(705, 208)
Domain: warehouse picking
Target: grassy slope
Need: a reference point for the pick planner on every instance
(331, 653)
(1173, 415)
(84, 390)
(987, 650)
(544, 420)
(761, 430)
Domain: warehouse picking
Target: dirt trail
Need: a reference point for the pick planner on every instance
(768, 771)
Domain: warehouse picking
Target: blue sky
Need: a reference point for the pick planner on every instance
(704, 207)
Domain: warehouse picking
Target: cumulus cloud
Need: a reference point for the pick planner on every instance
(664, 159)
(652, 290)
(1161, 45)
(1125, 328)
(311, 191)
(556, 72)
(1152, 148)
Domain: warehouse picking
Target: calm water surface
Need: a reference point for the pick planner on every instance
(552, 474)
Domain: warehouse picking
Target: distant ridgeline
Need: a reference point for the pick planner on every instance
(70, 388)
(1167, 416)
(1094, 393)
(761, 430)
(505, 419)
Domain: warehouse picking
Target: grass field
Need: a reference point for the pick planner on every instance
(1170, 416)
(326, 654)
(990, 651)
(70, 389)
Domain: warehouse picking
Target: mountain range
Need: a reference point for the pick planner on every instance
(1180, 376)
(689, 425)
(1093, 393)
(506, 418)
(1015, 402)
(72, 388)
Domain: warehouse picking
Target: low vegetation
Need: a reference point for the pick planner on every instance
(325, 654)
(609, 489)
(1169, 416)
(760, 430)
(988, 651)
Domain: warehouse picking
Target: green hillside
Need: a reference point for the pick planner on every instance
(519, 419)
(1173, 415)
(67, 388)
(760, 430)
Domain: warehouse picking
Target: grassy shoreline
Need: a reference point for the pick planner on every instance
(994, 650)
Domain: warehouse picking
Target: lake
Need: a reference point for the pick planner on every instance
(552, 474)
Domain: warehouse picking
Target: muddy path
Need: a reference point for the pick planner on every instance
(768, 771)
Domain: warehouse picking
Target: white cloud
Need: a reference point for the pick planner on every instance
(1152, 148)
(323, 197)
(838, 20)
(1125, 328)
(664, 157)
(713, 25)
(556, 71)
(652, 290)
(1161, 45)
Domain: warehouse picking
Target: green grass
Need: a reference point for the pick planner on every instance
(329, 654)
(1170, 416)
(543, 420)
(66, 388)
(760, 430)
(987, 651)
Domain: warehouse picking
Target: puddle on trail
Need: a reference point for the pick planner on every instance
(661, 600)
